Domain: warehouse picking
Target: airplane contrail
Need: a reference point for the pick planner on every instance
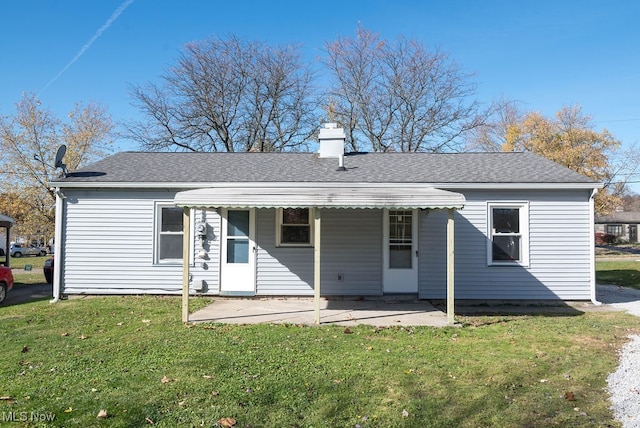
(87, 45)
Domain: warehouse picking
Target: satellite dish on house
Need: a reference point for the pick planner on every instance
(57, 163)
(59, 155)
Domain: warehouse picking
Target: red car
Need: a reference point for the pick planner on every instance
(6, 282)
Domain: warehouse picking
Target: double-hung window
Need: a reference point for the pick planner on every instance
(508, 233)
(168, 234)
(293, 227)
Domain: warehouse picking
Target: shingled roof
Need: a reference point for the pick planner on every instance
(619, 217)
(429, 168)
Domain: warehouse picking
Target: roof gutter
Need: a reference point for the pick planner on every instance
(298, 184)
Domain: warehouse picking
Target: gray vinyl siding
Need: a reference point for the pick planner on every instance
(559, 249)
(108, 248)
(108, 244)
(350, 246)
(207, 269)
(280, 270)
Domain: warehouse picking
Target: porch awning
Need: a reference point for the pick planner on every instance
(320, 197)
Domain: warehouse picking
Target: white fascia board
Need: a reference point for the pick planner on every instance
(450, 186)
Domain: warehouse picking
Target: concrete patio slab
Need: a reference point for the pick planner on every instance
(377, 313)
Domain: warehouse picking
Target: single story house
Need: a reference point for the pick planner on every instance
(497, 225)
(623, 225)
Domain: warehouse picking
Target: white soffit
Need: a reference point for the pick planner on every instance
(320, 197)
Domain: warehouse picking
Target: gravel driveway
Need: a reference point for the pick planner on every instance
(624, 383)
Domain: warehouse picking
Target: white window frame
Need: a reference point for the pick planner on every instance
(157, 231)
(279, 225)
(523, 208)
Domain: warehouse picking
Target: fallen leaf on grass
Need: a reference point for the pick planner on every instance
(102, 414)
(347, 331)
(149, 421)
(215, 393)
(68, 410)
(405, 414)
(146, 321)
(25, 349)
(208, 376)
(82, 337)
(65, 334)
(166, 379)
(6, 398)
(227, 422)
(570, 396)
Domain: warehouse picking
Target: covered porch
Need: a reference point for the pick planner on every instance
(383, 312)
(319, 198)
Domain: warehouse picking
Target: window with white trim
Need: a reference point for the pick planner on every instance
(168, 233)
(293, 227)
(508, 233)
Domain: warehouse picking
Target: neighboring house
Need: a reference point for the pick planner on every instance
(497, 225)
(619, 225)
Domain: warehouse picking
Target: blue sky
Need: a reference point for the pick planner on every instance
(544, 53)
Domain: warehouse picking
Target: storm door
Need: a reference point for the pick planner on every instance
(238, 264)
(400, 251)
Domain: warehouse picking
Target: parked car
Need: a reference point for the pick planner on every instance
(48, 270)
(18, 250)
(6, 282)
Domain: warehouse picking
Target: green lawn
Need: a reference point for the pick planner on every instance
(619, 272)
(132, 357)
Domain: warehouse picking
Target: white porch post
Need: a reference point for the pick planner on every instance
(186, 239)
(316, 266)
(450, 268)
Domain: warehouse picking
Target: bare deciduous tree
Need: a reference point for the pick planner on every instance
(398, 96)
(30, 139)
(228, 94)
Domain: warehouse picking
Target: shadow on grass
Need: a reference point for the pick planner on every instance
(621, 277)
(500, 308)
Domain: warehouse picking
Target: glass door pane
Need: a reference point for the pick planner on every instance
(400, 239)
(238, 237)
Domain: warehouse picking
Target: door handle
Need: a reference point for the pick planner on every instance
(416, 253)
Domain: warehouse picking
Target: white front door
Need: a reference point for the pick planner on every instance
(238, 253)
(400, 251)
